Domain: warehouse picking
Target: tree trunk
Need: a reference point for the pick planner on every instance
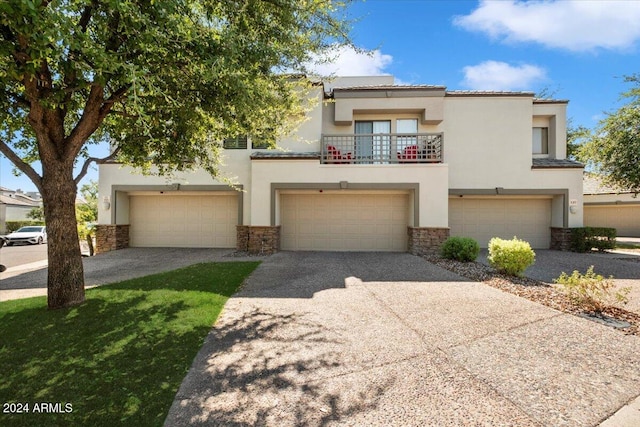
(65, 282)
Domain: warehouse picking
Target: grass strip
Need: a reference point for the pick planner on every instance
(117, 359)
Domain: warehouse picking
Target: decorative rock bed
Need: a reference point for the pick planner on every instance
(540, 292)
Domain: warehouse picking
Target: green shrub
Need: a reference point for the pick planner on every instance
(583, 239)
(591, 291)
(460, 248)
(510, 256)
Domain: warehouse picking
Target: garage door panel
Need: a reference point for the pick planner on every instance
(483, 219)
(183, 221)
(624, 218)
(351, 222)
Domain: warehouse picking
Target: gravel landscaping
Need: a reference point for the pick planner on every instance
(531, 289)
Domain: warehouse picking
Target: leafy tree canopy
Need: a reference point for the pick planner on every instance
(163, 81)
(576, 136)
(614, 149)
(87, 210)
(36, 214)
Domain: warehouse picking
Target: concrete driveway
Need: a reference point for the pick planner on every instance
(389, 339)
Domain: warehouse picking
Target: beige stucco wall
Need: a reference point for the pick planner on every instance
(307, 136)
(555, 115)
(487, 144)
(234, 170)
(18, 213)
(429, 109)
(3, 218)
(329, 127)
(431, 179)
(611, 198)
(487, 140)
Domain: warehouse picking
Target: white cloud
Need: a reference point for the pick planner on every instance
(346, 61)
(576, 25)
(494, 75)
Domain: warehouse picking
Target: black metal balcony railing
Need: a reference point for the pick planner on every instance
(382, 148)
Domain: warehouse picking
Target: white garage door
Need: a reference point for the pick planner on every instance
(624, 218)
(482, 219)
(183, 221)
(344, 222)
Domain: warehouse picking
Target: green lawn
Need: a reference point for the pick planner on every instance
(120, 357)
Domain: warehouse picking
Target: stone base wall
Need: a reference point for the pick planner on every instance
(111, 237)
(560, 239)
(426, 240)
(261, 240)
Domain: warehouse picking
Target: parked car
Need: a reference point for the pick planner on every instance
(33, 234)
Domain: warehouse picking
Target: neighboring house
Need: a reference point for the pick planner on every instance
(375, 167)
(15, 205)
(606, 207)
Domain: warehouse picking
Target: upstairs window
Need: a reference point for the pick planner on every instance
(237, 143)
(260, 144)
(541, 140)
(264, 140)
(407, 126)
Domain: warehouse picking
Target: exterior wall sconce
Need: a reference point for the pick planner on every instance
(106, 203)
(573, 206)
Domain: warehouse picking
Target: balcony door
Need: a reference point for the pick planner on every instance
(407, 130)
(373, 142)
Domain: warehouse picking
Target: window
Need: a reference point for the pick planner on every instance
(403, 127)
(375, 140)
(237, 143)
(540, 140)
(260, 144)
(263, 140)
(407, 126)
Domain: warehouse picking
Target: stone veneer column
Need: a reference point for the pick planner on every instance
(560, 239)
(263, 240)
(426, 240)
(111, 237)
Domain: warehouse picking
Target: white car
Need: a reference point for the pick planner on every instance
(33, 234)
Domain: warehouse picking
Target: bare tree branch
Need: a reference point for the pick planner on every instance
(87, 163)
(116, 96)
(88, 123)
(86, 16)
(22, 165)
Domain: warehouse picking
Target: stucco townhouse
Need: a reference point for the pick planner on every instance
(605, 206)
(376, 167)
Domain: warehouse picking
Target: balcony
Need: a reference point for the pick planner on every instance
(382, 148)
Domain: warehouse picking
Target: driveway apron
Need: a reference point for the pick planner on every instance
(389, 339)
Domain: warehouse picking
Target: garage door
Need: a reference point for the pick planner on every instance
(344, 222)
(482, 219)
(625, 218)
(183, 221)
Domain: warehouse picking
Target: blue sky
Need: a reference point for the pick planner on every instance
(577, 50)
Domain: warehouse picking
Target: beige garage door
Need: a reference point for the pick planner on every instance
(482, 219)
(183, 221)
(625, 218)
(344, 222)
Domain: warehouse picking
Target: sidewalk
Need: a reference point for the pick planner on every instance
(31, 279)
